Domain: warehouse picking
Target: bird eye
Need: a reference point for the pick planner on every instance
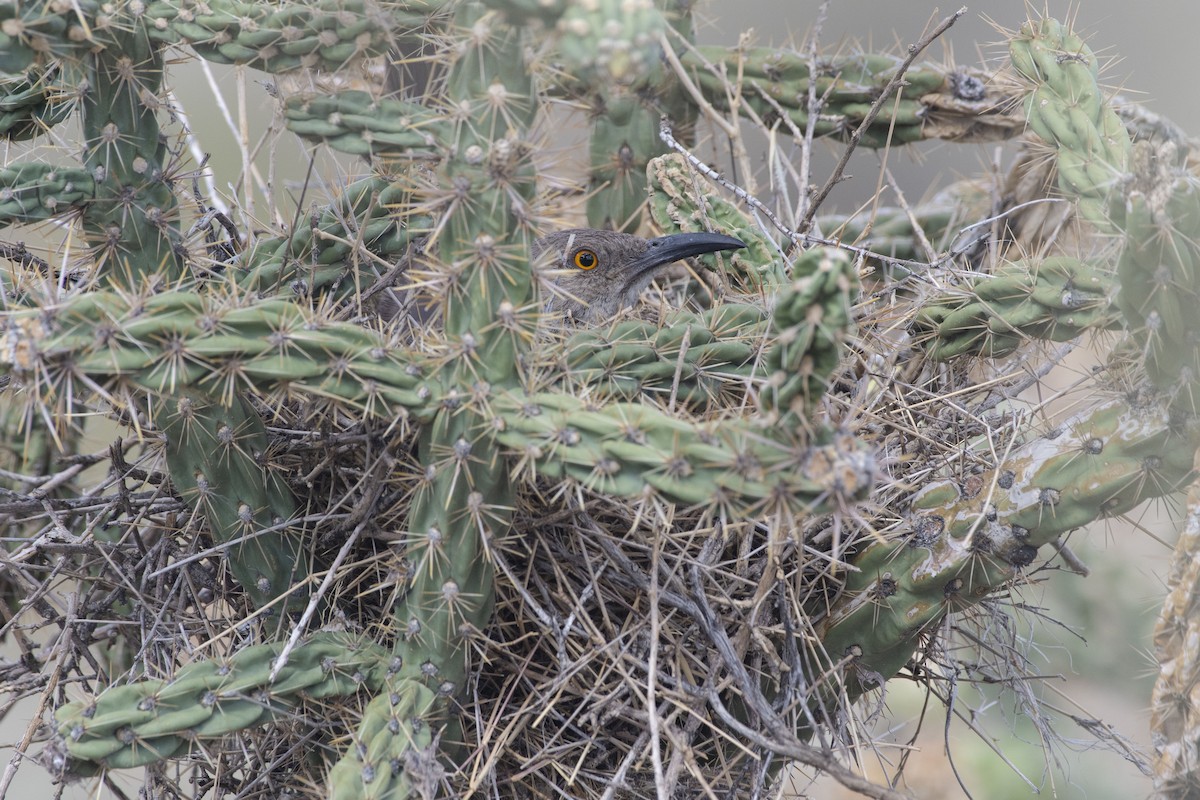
(586, 259)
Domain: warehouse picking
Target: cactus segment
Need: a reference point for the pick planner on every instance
(31, 192)
(1173, 712)
(1159, 276)
(1066, 107)
(360, 124)
(966, 544)
(613, 42)
(131, 223)
(465, 499)
(624, 137)
(32, 104)
(811, 322)
(699, 359)
(629, 450)
(217, 460)
(395, 748)
(933, 102)
(1054, 300)
(490, 178)
(204, 342)
(318, 259)
(276, 37)
(140, 723)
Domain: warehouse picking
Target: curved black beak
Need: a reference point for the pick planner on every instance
(668, 249)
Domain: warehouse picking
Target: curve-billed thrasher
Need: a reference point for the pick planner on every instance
(593, 273)
(597, 273)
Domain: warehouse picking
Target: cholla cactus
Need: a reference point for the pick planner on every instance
(584, 561)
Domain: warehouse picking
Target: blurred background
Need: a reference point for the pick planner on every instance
(1095, 653)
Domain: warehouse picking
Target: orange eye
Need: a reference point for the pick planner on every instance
(586, 259)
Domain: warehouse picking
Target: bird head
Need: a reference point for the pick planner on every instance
(595, 273)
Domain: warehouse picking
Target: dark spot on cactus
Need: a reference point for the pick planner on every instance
(447, 688)
(531, 410)
(245, 513)
(854, 651)
(982, 543)
(971, 486)
(626, 158)
(328, 664)
(394, 666)
(263, 584)
(929, 529)
(886, 587)
(1050, 436)
(1049, 497)
(90, 711)
(368, 772)
(568, 436)
(147, 704)
(1006, 479)
(1093, 446)
(1071, 299)
(1022, 556)
(414, 628)
(126, 735)
(429, 669)
(968, 87)
(953, 587)
(209, 698)
(77, 731)
(1151, 464)
(990, 513)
